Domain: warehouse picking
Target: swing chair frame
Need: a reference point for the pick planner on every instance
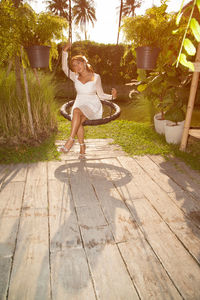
(65, 107)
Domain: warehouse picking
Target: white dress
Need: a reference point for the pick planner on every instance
(88, 94)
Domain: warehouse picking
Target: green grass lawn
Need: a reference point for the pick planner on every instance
(134, 138)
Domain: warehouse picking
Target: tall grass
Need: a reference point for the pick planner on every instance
(14, 122)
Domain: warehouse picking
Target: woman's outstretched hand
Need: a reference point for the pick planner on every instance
(67, 46)
(114, 93)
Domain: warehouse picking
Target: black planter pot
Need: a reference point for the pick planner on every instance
(38, 56)
(146, 57)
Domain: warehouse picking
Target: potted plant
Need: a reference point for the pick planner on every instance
(175, 114)
(38, 34)
(168, 91)
(157, 88)
(148, 34)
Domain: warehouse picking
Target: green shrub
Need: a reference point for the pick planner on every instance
(14, 122)
(107, 60)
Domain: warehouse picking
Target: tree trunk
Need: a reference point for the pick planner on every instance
(17, 64)
(120, 18)
(9, 68)
(18, 77)
(28, 101)
(85, 32)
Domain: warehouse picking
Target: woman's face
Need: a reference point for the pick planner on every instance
(78, 66)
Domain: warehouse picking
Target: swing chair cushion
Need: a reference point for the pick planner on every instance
(65, 107)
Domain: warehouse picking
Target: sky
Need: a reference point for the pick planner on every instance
(105, 29)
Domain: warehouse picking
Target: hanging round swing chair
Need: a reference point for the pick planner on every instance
(113, 114)
(114, 109)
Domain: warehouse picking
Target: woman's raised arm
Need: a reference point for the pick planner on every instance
(65, 66)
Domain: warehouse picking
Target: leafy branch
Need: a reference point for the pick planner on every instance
(187, 44)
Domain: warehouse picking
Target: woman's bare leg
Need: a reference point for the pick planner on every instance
(76, 123)
(80, 136)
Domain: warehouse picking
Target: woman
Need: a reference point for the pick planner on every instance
(87, 104)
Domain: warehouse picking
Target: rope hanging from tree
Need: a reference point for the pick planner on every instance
(70, 30)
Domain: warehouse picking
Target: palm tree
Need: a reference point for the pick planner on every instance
(83, 13)
(127, 8)
(59, 7)
(120, 19)
(130, 6)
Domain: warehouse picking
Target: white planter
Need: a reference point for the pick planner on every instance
(159, 124)
(173, 132)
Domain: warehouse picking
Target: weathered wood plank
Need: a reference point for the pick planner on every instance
(183, 167)
(155, 172)
(185, 202)
(114, 208)
(112, 170)
(107, 267)
(169, 250)
(172, 215)
(4, 171)
(57, 170)
(110, 276)
(88, 216)
(189, 235)
(93, 142)
(17, 172)
(167, 247)
(150, 190)
(11, 198)
(83, 192)
(96, 237)
(10, 204)
(70, 276)
(91, 155)
(189, 205)
(30, 277)
(123, 231)
(149, 276)
(174, 171)
(36, 186)
(5, 267)
(11, 173)
(95, 149)
(182, 199)
(64, 231)
(32, 250)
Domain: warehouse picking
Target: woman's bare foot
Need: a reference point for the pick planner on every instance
(67, 145)
(82, 151)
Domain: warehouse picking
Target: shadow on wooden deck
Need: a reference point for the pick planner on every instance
(110, 227)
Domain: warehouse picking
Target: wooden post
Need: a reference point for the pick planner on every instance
(193, 89)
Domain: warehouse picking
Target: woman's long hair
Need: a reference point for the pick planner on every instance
(82, 58)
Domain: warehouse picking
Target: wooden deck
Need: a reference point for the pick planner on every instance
(110, 227)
